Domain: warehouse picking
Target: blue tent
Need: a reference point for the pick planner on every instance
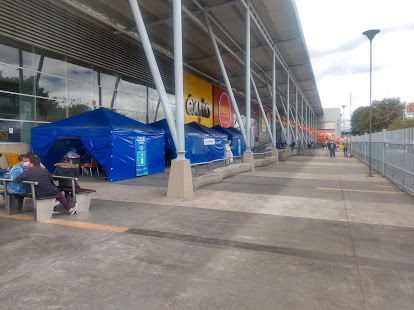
(124, 147)
(236, 138)
(198, 144)
(216, 149)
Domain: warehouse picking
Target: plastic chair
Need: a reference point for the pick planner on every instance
(92, 164)
(12, 158)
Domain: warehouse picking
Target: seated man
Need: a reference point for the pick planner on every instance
(16, 187)
(45, 186)
(73, 156)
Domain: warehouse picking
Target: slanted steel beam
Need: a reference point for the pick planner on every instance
(154, 69)
(225, 77)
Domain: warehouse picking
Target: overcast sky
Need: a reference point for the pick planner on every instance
(340, 53)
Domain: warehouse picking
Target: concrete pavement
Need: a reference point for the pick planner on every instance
(309, 233)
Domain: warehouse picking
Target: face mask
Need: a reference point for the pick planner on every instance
(26, 164)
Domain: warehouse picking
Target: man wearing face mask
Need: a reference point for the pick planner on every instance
(16, 187)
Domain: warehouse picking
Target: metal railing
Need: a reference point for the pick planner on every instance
(262, 155)
(392, 154)
(217, 163)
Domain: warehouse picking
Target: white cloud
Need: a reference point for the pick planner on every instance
(340, 53)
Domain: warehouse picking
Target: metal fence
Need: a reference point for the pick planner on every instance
(392, 154)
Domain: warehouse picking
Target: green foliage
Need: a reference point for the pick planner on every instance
(400, 124)
(384, 112)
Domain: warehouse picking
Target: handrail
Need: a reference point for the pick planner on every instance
(208, 163)
(10, 180)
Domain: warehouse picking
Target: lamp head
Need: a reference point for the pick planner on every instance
(370, 33)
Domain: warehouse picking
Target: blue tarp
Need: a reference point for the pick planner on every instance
(236, 138)
(109, 137)
(216, 150)
(195, 138)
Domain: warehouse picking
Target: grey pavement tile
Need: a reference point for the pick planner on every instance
(387, 289)
(133, 272)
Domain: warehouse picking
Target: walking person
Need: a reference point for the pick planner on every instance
(345, 144)
(228, 154)
(332, 148)
(45, 186)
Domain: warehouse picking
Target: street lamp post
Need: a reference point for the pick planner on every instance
(343, 113)
(370, 34)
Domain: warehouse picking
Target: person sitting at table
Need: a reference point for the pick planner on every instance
(45, 186)
(73, 156)
(17, 188)
(30, 155)
(66, 169)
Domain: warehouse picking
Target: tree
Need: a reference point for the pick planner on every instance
(384, 112)
(358, 120)
(400, 124)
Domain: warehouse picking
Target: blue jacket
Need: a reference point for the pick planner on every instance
(16, 187)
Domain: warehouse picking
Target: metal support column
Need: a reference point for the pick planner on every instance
(274, 99)
(287, 112)
(284, 109)
(306, 124)
(263, 112)
(154, 69)
(248, 75)
(301, 124)
(115, 92)
(273, 94)
(225, 77)
(178, 74)
(296, 117)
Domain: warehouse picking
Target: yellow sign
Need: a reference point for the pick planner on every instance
(198, 100)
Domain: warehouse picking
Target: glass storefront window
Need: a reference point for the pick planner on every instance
(53, 87)
(12, 131)
(9, 55)
(13, 106)
(80, 93)
(80, 71)
(14, 79)
(50, 110)
(46, 62)
(107, 95)
(45, 87)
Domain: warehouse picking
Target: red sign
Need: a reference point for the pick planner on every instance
(223, 113)
(411, 107)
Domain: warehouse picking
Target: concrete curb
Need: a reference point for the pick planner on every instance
(220, 174)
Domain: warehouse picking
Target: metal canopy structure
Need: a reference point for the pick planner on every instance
(275, 29)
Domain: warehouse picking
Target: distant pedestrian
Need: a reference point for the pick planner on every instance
(345, 144)
(228, 154)
(332, 148)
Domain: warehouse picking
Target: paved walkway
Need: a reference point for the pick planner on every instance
(309, 233)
